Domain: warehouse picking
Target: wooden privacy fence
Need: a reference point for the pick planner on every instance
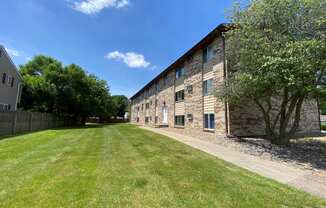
(19, 122)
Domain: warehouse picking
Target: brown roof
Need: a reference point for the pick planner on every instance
(203, 43)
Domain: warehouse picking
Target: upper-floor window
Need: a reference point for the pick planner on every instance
(4, 78)
(11, 81)
(156, 103)
(179, 73)
(147, 105)
(208, 54)
(208, 87)
(165, 81)
(179, 96)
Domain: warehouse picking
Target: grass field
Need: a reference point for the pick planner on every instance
(124, 166)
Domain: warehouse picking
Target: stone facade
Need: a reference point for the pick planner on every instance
(247, 120)
(155, 104)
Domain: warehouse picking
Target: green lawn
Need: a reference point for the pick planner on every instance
(124, 166)
(323, 125)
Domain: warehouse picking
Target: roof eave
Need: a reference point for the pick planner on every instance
(206, 40)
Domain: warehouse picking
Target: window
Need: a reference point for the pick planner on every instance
(156, 119)
(4, 77)
(179, 120)
(165, 81)
(208, 87)
(179, 73)
(179, 96)
(209, 121)
(138, 120)
(5, 107)
(142, 106)
(208, 54)
(11, 81)
(146, 119)
(147, 106)
(156, 103)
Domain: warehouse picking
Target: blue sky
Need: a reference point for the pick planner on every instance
(126, 42)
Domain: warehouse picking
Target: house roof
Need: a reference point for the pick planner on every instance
(201, 44)
(3, 49)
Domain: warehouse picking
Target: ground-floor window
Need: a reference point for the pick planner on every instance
(146, 119)
(179, 120)
(4, 107)
(137, 120)
(156, 119)
(209, 121)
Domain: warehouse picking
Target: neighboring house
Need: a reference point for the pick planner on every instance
(10, 83)
(182, 97)
(323, 118)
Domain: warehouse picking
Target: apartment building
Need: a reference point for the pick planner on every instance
(182, 97)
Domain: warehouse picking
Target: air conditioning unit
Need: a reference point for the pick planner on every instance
(190, 117)
(189, 88)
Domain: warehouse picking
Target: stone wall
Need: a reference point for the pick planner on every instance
(247, 120)
(195, 71)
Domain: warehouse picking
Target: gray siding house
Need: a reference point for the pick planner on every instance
(10, 82)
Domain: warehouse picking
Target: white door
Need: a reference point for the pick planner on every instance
(165, 115)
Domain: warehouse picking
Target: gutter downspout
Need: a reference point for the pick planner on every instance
(225, 74)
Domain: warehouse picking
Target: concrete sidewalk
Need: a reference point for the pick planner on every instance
(305, 180)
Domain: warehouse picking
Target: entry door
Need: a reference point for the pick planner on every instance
(165, 115)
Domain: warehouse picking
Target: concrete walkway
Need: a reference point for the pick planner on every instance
(305, 180)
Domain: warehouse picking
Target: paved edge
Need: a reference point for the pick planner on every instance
(301, 179)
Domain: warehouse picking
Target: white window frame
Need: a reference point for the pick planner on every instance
(209, 126)
(206, 89)
(209, 52)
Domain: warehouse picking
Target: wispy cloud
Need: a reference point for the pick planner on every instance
(131, 59)
(13, 52)
(94, 6)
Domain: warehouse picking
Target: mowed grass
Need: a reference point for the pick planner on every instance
(124, 166)
(323, 125)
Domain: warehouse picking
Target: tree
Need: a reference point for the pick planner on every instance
(50, 87)
(39, 91)
(276, 52)
(121, 103)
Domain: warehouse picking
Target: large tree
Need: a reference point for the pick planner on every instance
(51, 87)
(122, 105)
(276, 52)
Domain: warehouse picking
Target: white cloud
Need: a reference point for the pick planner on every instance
(133, 60)
(95, 6)
(13, 52)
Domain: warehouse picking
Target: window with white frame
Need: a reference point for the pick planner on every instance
(10, 81)
(208, 87)
(209, 121)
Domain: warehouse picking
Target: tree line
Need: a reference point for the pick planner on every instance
(49, 86)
